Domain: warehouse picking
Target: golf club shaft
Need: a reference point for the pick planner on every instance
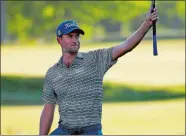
(155, 50)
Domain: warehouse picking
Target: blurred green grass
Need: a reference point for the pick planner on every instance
(137, 76)
(143, 94)
(17, 90)
(137, 67)
(138, 118)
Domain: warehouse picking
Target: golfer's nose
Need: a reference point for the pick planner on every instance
(75, 39)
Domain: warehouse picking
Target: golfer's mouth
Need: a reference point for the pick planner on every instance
(75, 45)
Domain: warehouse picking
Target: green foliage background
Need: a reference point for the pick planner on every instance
(128, 108)
(37, 20)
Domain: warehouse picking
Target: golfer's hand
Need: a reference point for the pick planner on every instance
(152, 16)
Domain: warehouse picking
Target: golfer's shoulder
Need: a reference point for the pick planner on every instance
(85, 54)
(99, 51)
(51, 70)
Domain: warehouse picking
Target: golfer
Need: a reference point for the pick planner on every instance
(75, 81)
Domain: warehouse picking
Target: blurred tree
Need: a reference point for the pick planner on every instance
(180, 8)
(3, 22)
(33, 20)
(171, 13)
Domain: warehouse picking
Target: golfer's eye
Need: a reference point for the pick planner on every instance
(77, 36)
(69, 36)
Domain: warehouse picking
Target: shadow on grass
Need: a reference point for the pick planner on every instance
(17, 90)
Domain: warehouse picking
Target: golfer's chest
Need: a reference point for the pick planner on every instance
(74, 78)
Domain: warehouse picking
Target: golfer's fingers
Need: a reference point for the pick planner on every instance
(154, 13)
(154, 10)
(154, 18)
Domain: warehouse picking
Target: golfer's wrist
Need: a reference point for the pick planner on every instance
(147, 24)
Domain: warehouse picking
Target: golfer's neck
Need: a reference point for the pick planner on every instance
(68, 59)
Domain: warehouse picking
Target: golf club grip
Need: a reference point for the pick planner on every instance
(155, 50)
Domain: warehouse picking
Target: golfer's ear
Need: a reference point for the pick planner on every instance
(58, 39)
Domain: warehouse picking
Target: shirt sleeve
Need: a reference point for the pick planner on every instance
(104, 60)
(48, 94)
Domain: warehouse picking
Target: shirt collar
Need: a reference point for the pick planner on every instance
(79, 55)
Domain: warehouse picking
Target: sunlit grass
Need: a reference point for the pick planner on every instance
(151, 118)
(137, 67)
(27, 90)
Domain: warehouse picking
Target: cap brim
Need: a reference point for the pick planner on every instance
(75, 30)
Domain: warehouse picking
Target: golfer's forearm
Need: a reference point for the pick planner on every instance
(136, 38)
(131, 42)
(45, 123)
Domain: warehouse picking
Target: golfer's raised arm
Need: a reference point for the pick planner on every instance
(136, 38)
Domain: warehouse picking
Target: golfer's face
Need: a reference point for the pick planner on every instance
(71, 42)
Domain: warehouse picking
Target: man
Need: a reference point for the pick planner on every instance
(75, 81)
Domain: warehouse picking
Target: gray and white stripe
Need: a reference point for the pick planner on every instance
(78, 90)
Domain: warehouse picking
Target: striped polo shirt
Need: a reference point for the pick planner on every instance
(78, 90)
